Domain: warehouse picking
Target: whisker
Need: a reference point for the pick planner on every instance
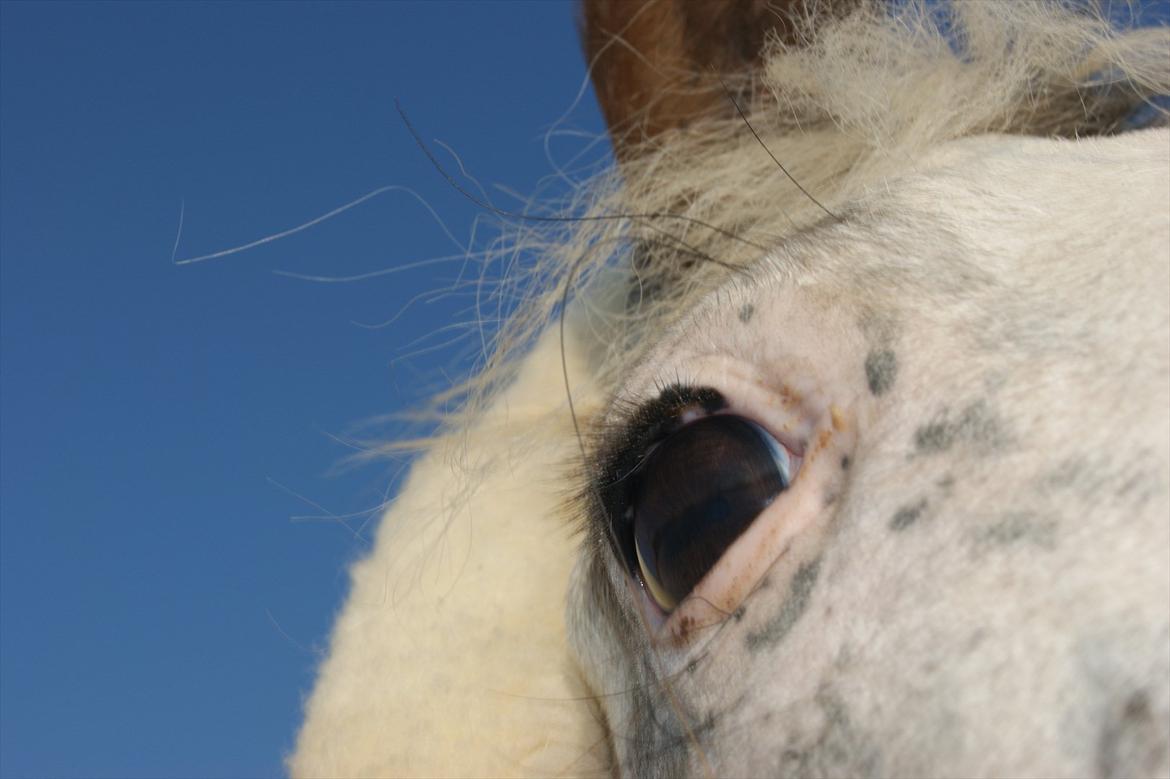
(311, 223)
(763, 145)
(371, 274)
(557, 219)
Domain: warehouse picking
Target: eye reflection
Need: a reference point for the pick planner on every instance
(696, 493)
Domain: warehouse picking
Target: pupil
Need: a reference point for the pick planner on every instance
(697, 492)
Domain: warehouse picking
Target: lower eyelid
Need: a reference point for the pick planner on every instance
(793, 519)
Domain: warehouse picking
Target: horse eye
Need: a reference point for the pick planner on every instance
(696, 493)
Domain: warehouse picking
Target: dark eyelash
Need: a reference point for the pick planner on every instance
(623, 446)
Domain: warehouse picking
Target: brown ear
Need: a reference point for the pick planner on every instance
(656, 64)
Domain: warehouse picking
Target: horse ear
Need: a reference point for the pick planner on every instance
(656, 65)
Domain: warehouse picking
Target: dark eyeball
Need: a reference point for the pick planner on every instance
(696, 493)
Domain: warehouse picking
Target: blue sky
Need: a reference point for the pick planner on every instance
(160, 601)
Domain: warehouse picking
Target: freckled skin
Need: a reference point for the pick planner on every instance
(1129, 743)
(907, 516)
(881, 369)
(1014, 492)
(976, 423)
(778, 626)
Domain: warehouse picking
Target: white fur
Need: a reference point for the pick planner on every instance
(450, 657)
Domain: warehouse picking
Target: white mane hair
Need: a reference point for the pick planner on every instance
(848, 102)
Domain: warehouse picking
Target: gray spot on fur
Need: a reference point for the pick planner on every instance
(1139, 487)
(1131, 742)
(664, 728)
(659, 743)
(822, 740)
(1095, 479)
(746, 312)
(881, 369)
(774, 631)
(907, 515)
(976, 424)
(976, 640)
(1067, 473)
(1021, 527)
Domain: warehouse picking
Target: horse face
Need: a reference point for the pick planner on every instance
(872, 484)
(968, 572)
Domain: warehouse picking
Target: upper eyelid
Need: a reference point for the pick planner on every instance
(625, 436)
(635, 426)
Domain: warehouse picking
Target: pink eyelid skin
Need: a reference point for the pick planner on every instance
(817, 434)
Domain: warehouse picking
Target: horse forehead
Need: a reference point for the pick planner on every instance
(1018, 210)
(998, 246)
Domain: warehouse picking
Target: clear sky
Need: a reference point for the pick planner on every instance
(161, 601)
